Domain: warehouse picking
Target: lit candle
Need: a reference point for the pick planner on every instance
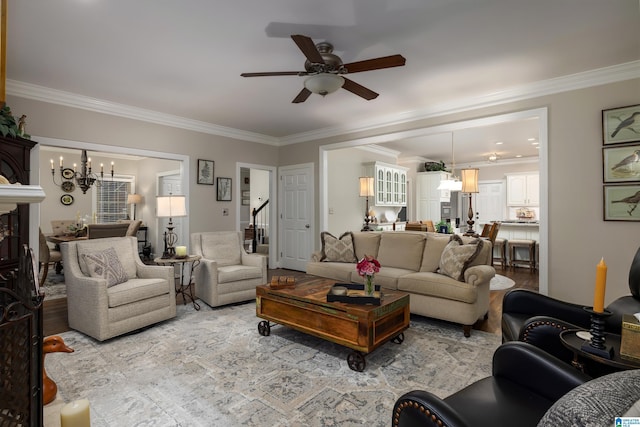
(74, 167)
(51, 164)
(101, 167)
(601, 284)
(181, 251)
(60, 161)
(75, 414)
(111, 168)
(89, 163)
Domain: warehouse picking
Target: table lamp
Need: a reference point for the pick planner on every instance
(170, 206)
(134, 199)
(366, 190)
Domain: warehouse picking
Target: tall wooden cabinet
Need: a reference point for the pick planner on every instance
(15, 156)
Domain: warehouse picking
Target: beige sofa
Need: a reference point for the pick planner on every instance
(409, 263)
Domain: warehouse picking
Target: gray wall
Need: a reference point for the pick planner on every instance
(578, 236)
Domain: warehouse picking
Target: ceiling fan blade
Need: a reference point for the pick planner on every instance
(275, 73)
(302, 96)
(308, 47)
(376, 63)
(359, 90)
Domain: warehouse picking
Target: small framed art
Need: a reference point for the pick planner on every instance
(224, 190)
(621, 202)
(621, 125)
(205, 171)
(621, 163)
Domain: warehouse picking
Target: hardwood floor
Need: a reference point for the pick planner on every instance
(55, 311)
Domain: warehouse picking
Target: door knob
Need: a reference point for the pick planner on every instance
(307, 226)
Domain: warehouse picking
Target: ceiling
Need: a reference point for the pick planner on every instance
(184, 58)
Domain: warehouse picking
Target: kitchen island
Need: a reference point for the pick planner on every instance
(517, 229)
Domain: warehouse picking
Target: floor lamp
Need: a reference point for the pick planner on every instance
(170, 207)
(470, 185)
(366, 190)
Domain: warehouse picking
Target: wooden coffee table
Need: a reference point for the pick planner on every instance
(362, 328)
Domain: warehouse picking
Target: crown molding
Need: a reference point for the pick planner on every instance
(597, 77)
(67, 99)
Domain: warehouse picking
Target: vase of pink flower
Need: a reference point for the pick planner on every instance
(367, 267)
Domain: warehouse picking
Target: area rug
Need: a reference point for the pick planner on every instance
(212, 368)
(499, 283)
(54, 286)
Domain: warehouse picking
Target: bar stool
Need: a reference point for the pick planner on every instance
(500, 246)
(528, 244)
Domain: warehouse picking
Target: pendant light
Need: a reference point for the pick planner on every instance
(454, 183)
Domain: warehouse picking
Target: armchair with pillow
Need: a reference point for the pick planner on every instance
(528, 387)
(226, 273)
(538, 319)
(110, 291)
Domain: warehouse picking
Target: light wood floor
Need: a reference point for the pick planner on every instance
(55, 311)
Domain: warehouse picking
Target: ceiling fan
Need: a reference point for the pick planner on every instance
(326, 70)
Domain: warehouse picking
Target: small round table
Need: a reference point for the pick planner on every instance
(183, 287)
(573, 342)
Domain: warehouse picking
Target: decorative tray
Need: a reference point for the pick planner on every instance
(282, 282)
(354, 294)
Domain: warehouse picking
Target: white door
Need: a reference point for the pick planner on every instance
(296, 216)
(490, 202)
(170, 184)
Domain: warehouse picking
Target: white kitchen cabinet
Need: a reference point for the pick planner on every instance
(523, 189)
(428, 197)
(390, 183)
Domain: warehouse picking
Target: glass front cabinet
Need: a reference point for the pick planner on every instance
(390, 183)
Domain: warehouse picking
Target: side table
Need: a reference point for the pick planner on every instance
(185, 264)
(573, 342)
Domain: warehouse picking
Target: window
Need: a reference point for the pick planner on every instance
(110, 200)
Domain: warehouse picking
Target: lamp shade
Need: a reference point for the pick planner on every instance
(470, 180)
(366, 186)
(324, 83)
(133, 199)
(171, 206)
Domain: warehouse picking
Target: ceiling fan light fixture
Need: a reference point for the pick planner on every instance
(323, 83)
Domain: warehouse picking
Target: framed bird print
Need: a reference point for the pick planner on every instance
(621, 202)
(621, 163)
(621, 125)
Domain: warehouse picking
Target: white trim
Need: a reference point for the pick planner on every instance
(600, 76)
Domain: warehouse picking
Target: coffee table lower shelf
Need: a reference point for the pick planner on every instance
(361, 328)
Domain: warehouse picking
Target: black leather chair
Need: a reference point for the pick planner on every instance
(538, 319)
(525, 383)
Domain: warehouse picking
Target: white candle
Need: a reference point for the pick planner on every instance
(75, 414)
(181, 251)
(60, 161)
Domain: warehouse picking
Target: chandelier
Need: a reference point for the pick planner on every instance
(84, 178)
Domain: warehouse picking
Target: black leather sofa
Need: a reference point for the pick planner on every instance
(538, 319)
(525, 383)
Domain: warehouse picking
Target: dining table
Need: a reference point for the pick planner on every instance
(62, 238)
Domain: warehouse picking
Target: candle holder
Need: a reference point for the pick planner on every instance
(597, 344)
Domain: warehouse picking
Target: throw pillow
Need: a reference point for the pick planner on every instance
(457, 256)
(106, 265)
(597, 402)
(338, 249)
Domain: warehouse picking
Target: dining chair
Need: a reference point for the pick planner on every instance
(112, 229)
(46, 257)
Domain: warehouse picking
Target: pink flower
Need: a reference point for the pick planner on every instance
(368, 266)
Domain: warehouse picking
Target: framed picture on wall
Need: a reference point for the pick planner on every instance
(621, 163)
(205, 171)
(621, 125)
(224, 190)
(621, 202)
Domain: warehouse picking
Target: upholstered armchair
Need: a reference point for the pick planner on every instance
(226, 273)
(538, 319)
(528, 387)
(110, 291)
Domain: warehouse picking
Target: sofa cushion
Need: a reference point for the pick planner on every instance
(387, 277)
(122, 246)
(337, 249)
(135, 290)
(338, 271)
(438, 286)
(105, 264)
(433, 248)
(457, 257)
(401, 249)
(222, 247)
(366, 243)
(234, 273)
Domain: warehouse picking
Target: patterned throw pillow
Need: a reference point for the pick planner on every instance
(106, 265)
(338, 249)
(457, 256)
